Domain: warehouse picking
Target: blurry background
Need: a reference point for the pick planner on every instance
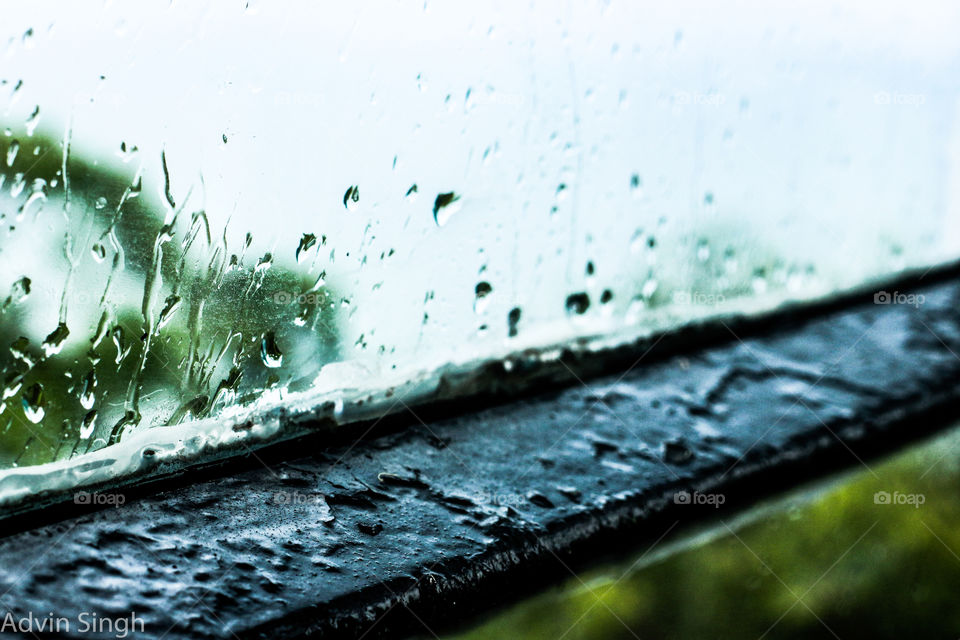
(874, 553)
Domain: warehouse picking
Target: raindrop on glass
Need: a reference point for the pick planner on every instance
(87, 396)
(269, 351)
(703, 250)
(89, 422)
(482, 290)
(99, 252)
(12, 152)
(32, 399)
(18, 292)
(54, 342)
(577, 303)
(445, 206)
(513, 319)
(33, 120)
(351, 199)
(308, 240)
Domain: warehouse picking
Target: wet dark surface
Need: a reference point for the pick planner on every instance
(432, 522)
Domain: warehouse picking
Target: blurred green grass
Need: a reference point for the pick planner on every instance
(824, 562)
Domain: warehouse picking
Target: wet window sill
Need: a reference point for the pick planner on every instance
(443, 515)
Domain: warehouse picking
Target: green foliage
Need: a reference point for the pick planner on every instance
(214, 308)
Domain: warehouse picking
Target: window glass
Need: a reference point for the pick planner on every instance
(209, 211)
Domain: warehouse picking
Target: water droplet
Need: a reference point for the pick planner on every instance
(445, 206)
(54, 342)
(88, 423)
(759, 282)
(411, 194)
(170, 306)
(127, 151)
(677, 452)
(12, 384)
(33, 120)
(351, 199)
(18, 348)
(730, 262)
(513, 319)
(224, 138)
(99, 252)
(119, 342)
(703, 250)
(649, 288)
(87, 393)
(606, 296)
(12, 152)
(264, 263)
(636, 185)
(18, 292)
(577, 303)
(100, 203)
(308, 240)
(482, 290)
(269, 351)
(32, 399)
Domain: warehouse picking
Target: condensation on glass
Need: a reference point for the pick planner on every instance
(207, 212)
